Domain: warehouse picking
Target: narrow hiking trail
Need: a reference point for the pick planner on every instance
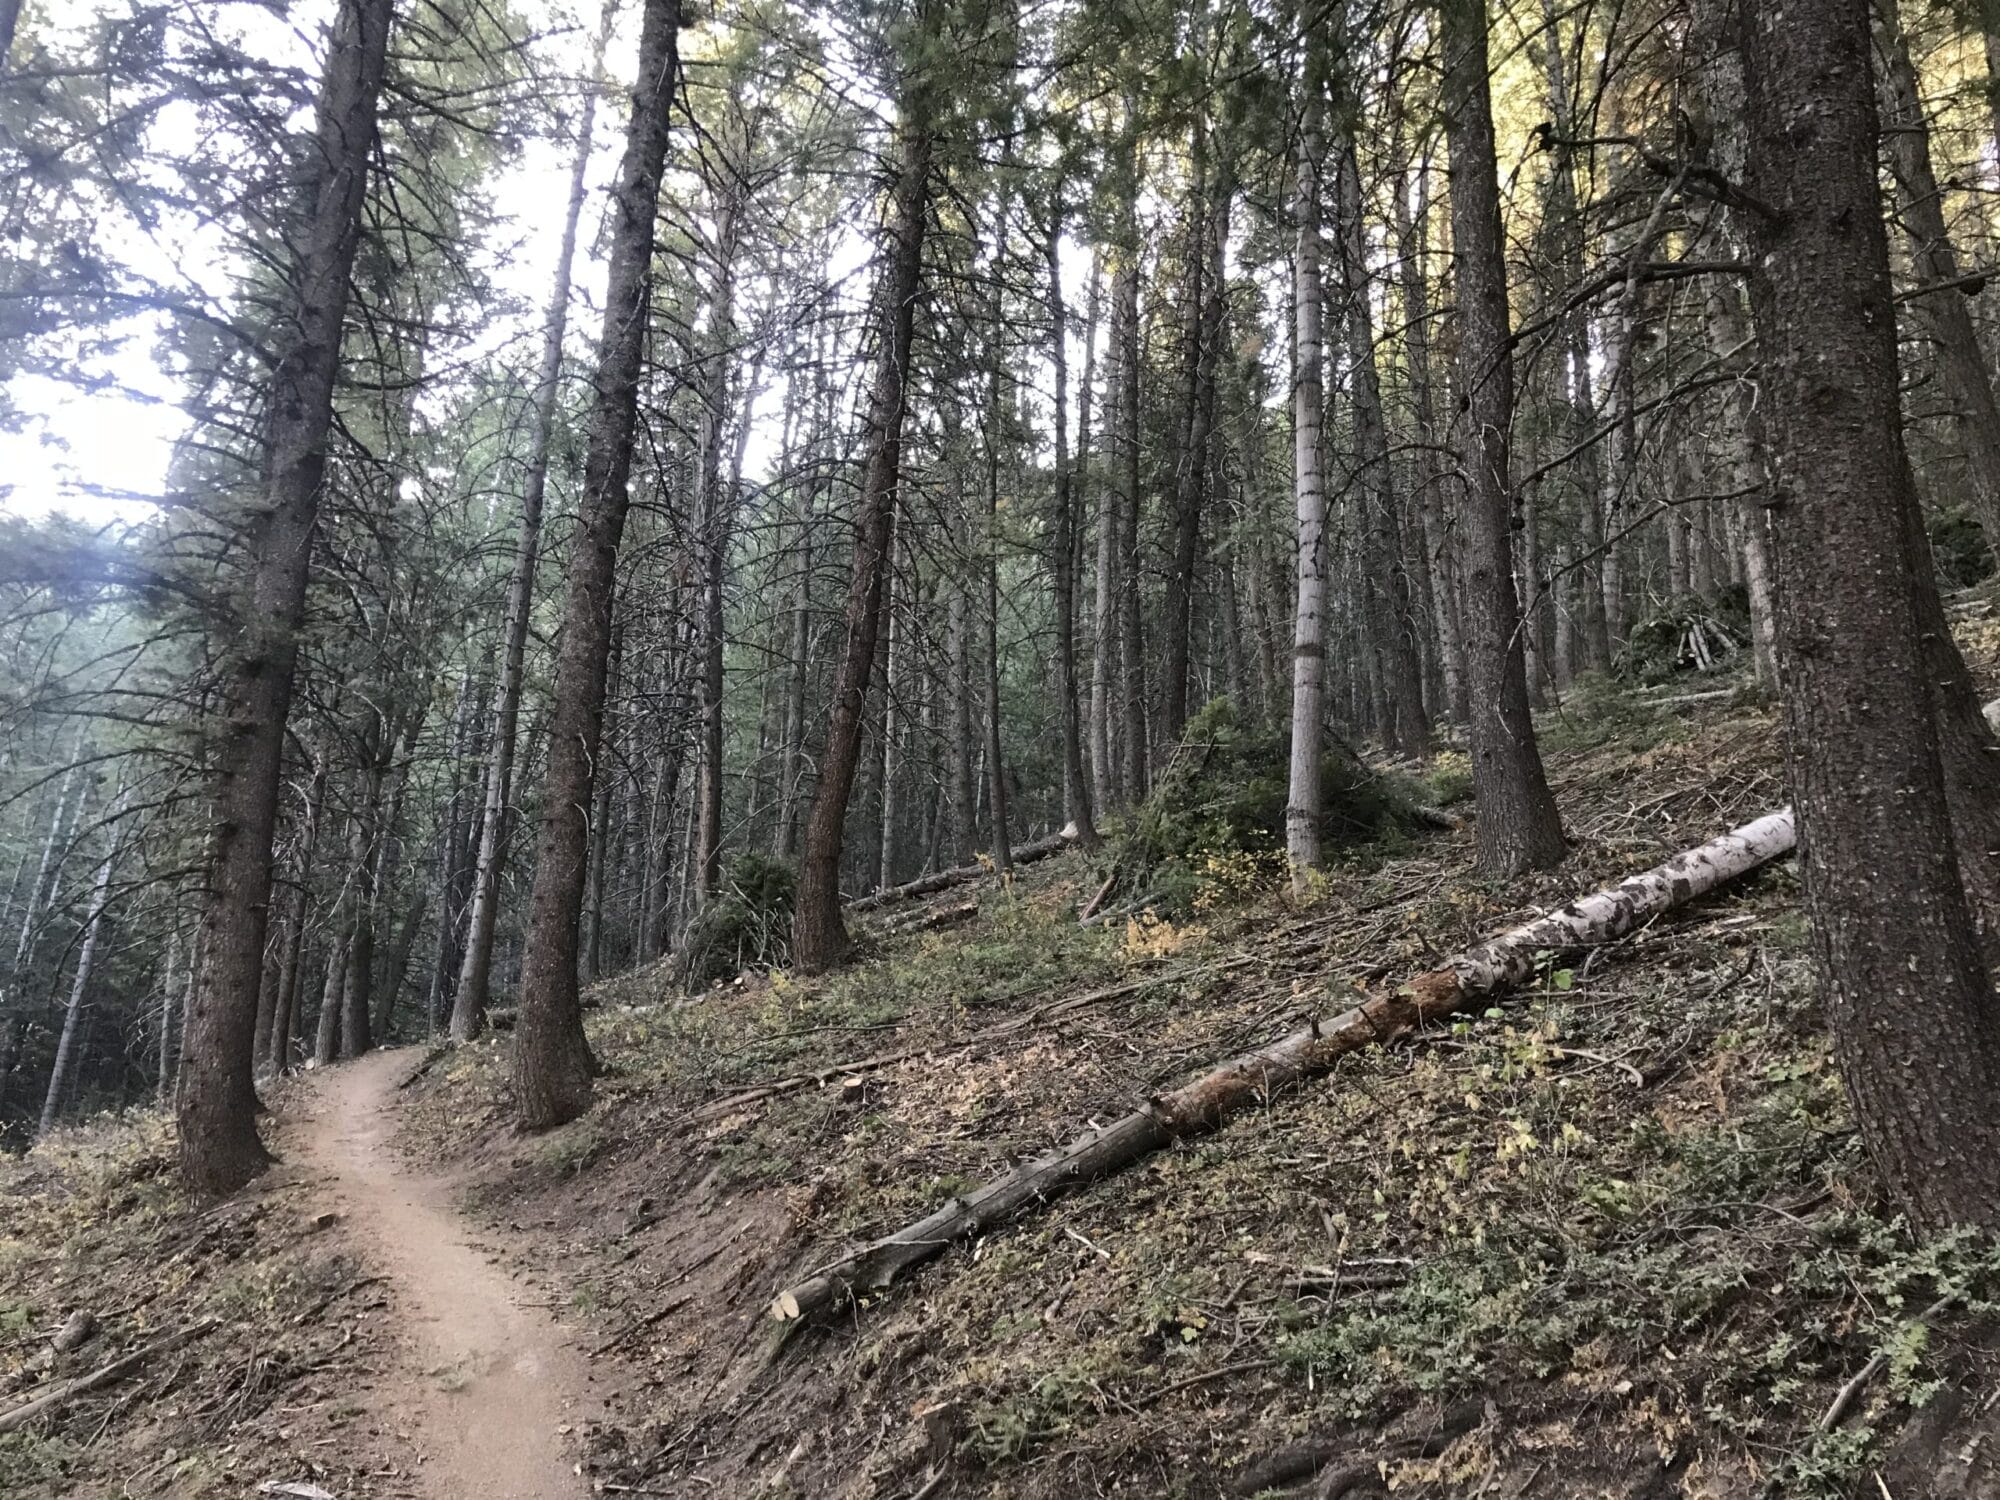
(489, 1384)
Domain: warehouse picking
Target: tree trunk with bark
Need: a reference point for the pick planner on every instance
(1407, 729)
(1104, 778)
(715, 522)
(819, 938)
(995, 430)
(475, 973)
(1062, 544)
(219, 1148)
(1134, 774)
(1946, 313)
(1565, 228)
(1913, 1012)
(1302, 803)
(1211, 191)
(1518, 827)
(86, 961)
(1412, 236)
(552, 1059)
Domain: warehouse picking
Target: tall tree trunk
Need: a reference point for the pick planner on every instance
(1895, 943)
(1062, 542)
(1746, 475)
(1104, 766)
(1302, 804)
(995, 431)
(1393, 626)
(364, 836)
(475, 975)
(326, 1031)
(70, 797)
(219, 1148)
(1621, 472)
(1518, 826)
(819, 937)
(964, 809)
(597, 856)
(1209, 192)
(892, 689)
(163, 1075)
(457, 851)
(1934, 261)
(1412, 235)
(552, 1060)
(1577, 407)
(277, 1046)
(1133, 772)
(798, 668)
(801, 671)
(86, 960)
(715, 512)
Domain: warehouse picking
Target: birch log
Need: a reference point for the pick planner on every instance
(1254, 1077)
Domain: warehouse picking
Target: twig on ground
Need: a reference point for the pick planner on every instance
(1848, 1394)
(54, 1400)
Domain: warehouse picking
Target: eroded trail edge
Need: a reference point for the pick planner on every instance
(490, 1383)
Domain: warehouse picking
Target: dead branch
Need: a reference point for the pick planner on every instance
(55, 1400)
(819, 1077)
(943, 880)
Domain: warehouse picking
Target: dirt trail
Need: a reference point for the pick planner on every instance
(491, 1380)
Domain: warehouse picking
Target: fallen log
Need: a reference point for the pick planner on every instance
(944, 880)
(1252, 1079)
(61, 1395)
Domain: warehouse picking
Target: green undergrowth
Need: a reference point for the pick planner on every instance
(1215, 816)
(748, 924)
(1698, 1261)
(1627, 1206)
(1600, 713)
(663, 1049)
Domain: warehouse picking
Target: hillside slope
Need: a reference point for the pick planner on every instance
(1615, 1236)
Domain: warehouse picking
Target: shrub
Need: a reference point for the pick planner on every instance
(1690, 632)
(1959, 548)
(747, 925)
(1218, 805)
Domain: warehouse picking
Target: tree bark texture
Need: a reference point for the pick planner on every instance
(819, 938)
(219, 1148)
(1912, 1010)
(552, 1060)
(475, 975)
(1518, 827)
(1302, 803)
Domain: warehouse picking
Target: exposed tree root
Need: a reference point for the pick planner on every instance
(1253, 1078)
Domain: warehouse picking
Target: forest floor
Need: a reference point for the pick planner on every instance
(1612, 1236)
